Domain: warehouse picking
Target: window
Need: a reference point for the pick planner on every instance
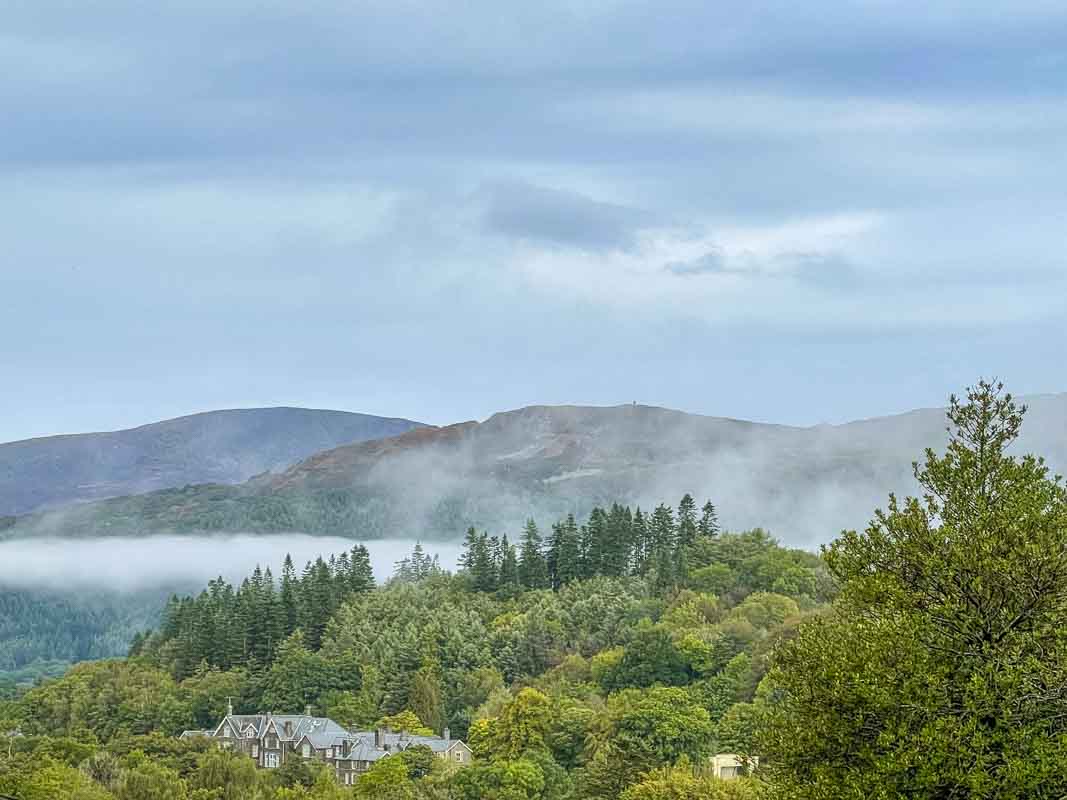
(255, 750)
(305, 750)
(271, 760)
(348, 779)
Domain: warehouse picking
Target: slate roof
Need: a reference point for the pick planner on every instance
(402, 741)
(323, 733)
(364, 751)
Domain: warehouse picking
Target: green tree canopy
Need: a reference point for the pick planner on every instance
(941, 671)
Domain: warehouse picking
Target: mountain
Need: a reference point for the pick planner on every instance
(804, 484)
(214, 447)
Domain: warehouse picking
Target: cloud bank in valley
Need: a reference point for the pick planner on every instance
(180, 561)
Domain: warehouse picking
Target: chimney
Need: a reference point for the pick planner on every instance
(379, 738)
(446, 734)
(229, 706)
(307, 710)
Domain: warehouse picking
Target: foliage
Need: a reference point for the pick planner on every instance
(42, 631)
(682, 782)
(941, 671)
(573, 665)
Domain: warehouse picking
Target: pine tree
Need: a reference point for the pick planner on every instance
(420, 562)
(594, 543)
(640, 546)
(484, 569)
(289, 599)
(509, 567)
(273, 623)
(533, 571)
(617, 544)
(569, 556)
(552, 555)
(403, 572)
(661, 528)
(361, 575)
(709, 521)
(687, 521)
(470, 549)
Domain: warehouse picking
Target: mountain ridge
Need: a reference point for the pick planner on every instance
(226, 446)
(805, 484)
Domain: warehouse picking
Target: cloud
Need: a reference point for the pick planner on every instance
(557, 216)
(240, 203)
(105, 563)
(711, 262)
(824, 270)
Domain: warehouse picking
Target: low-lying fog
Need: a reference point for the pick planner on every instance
(156, 561)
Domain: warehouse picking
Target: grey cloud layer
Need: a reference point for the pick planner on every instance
(421, 209)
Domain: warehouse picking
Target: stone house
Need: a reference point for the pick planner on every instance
(270, 739)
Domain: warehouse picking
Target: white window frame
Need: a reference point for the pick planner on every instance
(270, 760)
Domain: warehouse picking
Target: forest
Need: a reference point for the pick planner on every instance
(611, 657)
(45, 631)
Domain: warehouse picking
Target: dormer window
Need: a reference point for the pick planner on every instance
(305, 750)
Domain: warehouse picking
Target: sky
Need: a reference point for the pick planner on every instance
(789, 212)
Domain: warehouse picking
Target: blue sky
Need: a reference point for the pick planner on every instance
(795, 212)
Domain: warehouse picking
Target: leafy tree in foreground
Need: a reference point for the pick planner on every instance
(941, 671)
(682, 782)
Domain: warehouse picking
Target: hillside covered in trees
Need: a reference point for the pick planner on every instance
(42, 632)
(648, 628)
(611, 656)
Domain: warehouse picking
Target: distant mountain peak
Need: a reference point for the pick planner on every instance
(227, 446)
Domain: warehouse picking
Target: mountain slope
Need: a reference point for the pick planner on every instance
(805, 484)
(213, 447)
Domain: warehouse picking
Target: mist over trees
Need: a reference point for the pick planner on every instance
(572, 663)
(611, 656)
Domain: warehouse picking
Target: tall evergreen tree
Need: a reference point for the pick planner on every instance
(509, 567)
(687, 521)
(361, 575)
(639, 548)
(595, 543)
(569, 565)
(289, 598)
(617, 543)
(470, 548)
(709, 521)
(552, 554)
(485, 569)
(533, 571)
